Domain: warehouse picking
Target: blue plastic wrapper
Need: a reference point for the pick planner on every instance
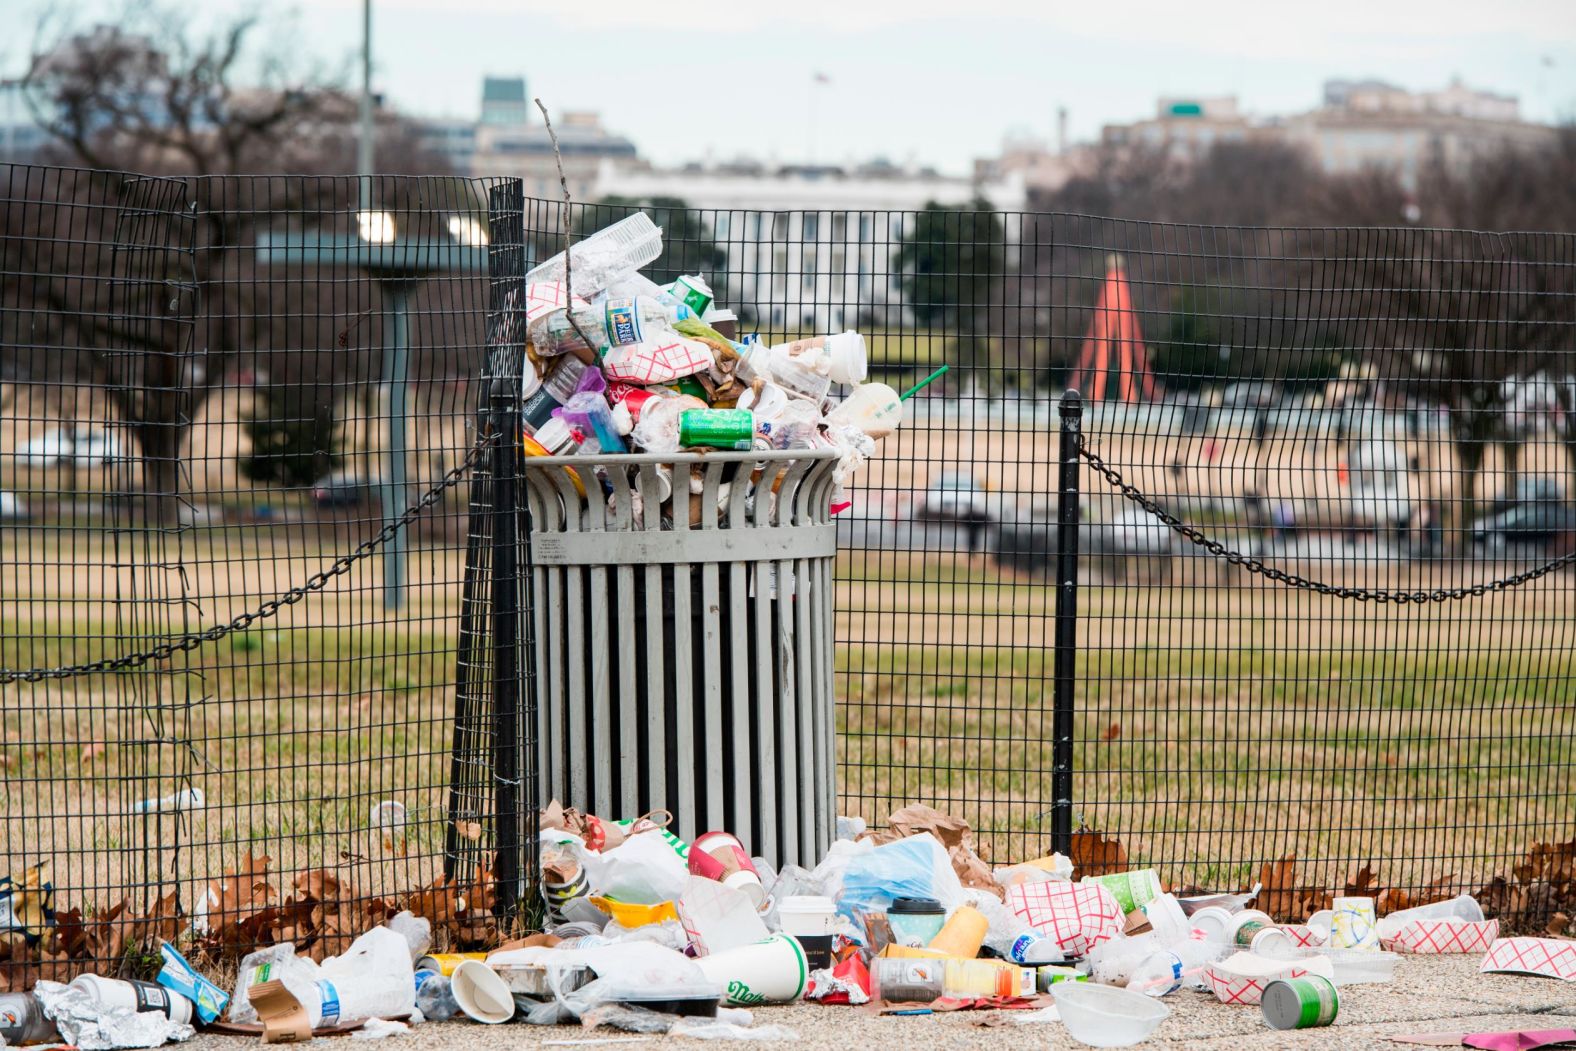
(178, 975)
(916, 867)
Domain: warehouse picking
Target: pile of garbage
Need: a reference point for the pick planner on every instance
(648, 933)
(621, 364)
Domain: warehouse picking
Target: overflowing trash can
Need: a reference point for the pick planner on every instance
(683, 634)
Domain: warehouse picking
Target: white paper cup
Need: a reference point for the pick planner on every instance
(771, 971)
(481, 993)
(1355, 926)
(1166, 918)
(1216, 923)
(850, 359)
(812, 920)
(769, 405)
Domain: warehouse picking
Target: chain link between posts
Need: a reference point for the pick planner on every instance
(316, 582)
(1292, 580)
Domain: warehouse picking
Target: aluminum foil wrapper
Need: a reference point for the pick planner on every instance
(85, 1023)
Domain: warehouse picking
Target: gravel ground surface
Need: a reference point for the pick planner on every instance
(1440, 994)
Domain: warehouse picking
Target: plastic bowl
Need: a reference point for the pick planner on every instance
(1360, 966)
(1104, 1016)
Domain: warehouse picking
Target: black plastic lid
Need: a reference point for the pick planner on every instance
(911, 906)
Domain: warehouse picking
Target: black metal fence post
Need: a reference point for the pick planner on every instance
(1066, 653)
(506, 339)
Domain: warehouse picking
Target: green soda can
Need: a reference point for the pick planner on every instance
(1300, 1003)
(717, 428)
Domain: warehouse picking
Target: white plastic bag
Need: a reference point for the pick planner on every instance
(371, 979)
(642, 870)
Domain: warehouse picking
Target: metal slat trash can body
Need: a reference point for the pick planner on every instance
(683, 661)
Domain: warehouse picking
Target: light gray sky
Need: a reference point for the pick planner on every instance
(940, 83)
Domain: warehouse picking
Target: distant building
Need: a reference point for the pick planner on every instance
(1186, 128)
(1362, 124)
(504, 101)
(508, 141)
(1371, 124)
(821, 234)
(20, 135)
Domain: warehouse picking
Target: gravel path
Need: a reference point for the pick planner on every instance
(1440, 994)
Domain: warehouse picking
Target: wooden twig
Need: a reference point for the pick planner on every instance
(564, 225)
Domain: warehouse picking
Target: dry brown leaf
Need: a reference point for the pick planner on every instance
(91, 751)
(1362, 884)
(1112, 732)
(1392, 900)
(471, 830)
(1557, 924)
(1278, 893)
(1095, 855)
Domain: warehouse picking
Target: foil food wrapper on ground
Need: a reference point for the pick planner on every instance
(87, 1024)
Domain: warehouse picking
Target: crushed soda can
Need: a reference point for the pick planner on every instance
(27, 906)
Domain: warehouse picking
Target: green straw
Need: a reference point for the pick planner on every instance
(922, 384)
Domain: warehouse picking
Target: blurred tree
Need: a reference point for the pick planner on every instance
(293, 434)
(148, 93)
(951, 260)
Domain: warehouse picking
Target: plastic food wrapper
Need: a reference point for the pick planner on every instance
(388, 817)
(847, 983)
(27, 906)
(178, 975)
(378, 1028)
(916, 867)
(718, 918)
(87, 1024)
(1040, 870)
(630, 973)
(1544, 957)
(1077, 916)
(644, 869)
(709, 1029)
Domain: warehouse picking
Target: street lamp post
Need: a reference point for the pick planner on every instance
(397, 263)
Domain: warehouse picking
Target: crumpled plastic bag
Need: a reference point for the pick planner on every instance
(643, 869)
(953, 833)
(371, 979)
(87, 1024)
(916, 867)
(710, 1029)
(379, 1028)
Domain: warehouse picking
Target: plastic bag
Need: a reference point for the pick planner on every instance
(916, 867)
(634, 971)
(642, 869)
(371, 979)
(829, 873)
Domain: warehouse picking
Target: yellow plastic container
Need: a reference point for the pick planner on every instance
(445, 962)
(963, 933)
(905, 952)
(630, 914)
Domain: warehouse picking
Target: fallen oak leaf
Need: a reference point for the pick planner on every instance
(1095, 855)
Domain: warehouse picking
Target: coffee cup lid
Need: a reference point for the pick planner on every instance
(918, 905)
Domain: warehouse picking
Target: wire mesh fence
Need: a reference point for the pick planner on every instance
(208, 381)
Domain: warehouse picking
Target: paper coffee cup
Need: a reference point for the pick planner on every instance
(1132, 889)
(1355, 926)
(721, 857)
(850, 359)
(481, 993)
(771, 971)
(811, 919)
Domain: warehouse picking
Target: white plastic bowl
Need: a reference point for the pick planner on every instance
(1360, 966)
(1105, 1016)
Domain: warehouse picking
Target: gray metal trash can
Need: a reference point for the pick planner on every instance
(683, 662)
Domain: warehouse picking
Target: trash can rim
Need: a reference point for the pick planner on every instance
(687, 458)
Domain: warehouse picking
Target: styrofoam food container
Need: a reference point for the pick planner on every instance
(1104, 1016)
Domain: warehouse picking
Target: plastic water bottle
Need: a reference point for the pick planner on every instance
(611, 323)
(1033, 950)
(1159, 974)
(435, 998)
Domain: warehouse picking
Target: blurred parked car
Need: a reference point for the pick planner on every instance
(343, 489)
(81, 447)
(12, 509)
(1536, 527)
(1255, 394)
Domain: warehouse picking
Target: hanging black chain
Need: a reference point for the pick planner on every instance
(1293, 580)
(316, 582)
